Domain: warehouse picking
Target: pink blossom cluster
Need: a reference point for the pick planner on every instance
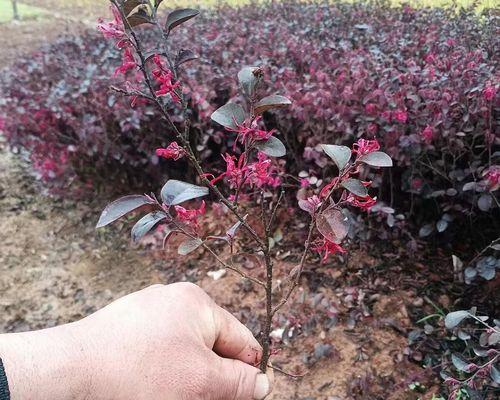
(239, 173)
(489, 92)
(165, 79)
(492, 177)
(128, 62)
(172, 151)
(114, 29)
(327, 248)
(252, 132)
(190, 217)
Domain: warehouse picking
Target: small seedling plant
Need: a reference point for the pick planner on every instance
(252, 179)
(475, 373)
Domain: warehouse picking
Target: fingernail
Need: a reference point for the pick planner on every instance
(262, 388)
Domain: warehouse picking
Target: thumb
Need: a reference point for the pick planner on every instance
(240, 381)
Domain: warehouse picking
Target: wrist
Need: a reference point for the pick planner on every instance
(47, 364)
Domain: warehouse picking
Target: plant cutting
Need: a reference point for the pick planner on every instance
(253, 180)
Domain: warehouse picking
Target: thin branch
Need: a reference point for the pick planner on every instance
(290, 375)
(296, 279)
(494, 242)
(234, 269)
(130, 94)
(307, 245)
(273, 213)
(222, 262)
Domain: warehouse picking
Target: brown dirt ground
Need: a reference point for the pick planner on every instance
(55, 268)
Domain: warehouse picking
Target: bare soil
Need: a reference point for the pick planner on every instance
(55, 268)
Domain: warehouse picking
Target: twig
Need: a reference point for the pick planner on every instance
(273, 213)
(307, 245)
(290, 375)
(222, 262)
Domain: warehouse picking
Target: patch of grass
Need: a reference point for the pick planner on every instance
(211, 3)
(25, 11)
(415, 3)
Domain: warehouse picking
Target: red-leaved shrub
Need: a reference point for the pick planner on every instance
(424, 82)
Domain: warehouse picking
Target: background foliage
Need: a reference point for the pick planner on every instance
(424, 82)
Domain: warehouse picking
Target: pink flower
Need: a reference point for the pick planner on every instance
(363, 146)
(365, 203)
(114, 29)
(252, 133)
(427, 134)
(164, 77)
(128, 62)
(327, 248)
(260, 173)
(190, 217)
(489, 92)
(173, 151)
(416, 184)
(430, 58)
(328, 187)
(401, 116)
(235, 173)
(370, 108)
(387, 116)
(493, 177)
(304, 182)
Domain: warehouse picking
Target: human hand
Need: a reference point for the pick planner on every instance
(164, 342)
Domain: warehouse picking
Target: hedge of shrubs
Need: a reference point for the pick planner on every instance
(424, 82)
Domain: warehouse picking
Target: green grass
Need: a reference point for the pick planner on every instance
(25, 11)
(210, 3)
(416, 3)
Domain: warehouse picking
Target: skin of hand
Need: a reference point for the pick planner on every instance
(162, 343)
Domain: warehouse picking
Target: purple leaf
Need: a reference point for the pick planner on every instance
(355, 186)
(189, 246)
(426, 230)
(231, 232)
(121, 207)
(130, 5)
(454, 318)
(175, 192)
(273, 147)
(332, 224)
(248, 78)
(146, 223)
(485, 201)
(339, 154)
(229, 115)
(184, 56)
(177, 17)
(269, 102)
(459, 363)
(138, 18)
(377, 159)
